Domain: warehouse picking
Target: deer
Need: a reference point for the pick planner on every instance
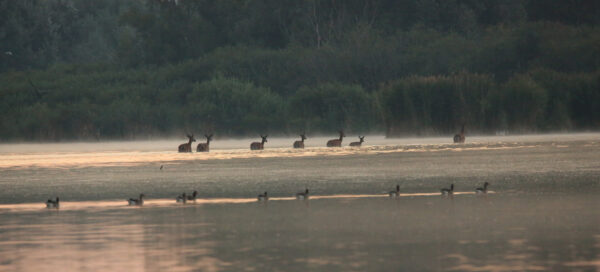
(257, 145)
(362, 139)
(204, 147)
(460, 138)
(187, 147)
(300, 144)
(336, 142)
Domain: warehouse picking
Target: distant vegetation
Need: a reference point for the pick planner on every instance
(130, 69)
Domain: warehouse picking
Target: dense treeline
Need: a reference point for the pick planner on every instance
(77, 69)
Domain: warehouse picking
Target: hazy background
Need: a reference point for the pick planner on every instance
(133, 69)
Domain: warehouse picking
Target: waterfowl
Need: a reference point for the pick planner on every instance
(52, 203)
(136, 202)
(193, 196)
(181, 198)
(482, 190)
(446, 191)
(302, 195)
(263, 197)
(395, 193)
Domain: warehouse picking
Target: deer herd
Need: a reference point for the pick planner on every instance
(205, 147)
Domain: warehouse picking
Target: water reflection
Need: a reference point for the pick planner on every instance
(469, 233)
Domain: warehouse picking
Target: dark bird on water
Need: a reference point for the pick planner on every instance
(263, 197)
(136, 202)
(483, 190)
(302, 195)
(53, 203)
(446, 191)
(395, 193)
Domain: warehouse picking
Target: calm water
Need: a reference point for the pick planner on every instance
(542, 214)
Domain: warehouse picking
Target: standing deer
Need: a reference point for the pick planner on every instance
(204, 147)
(187, 147)
(300, 144)
(362, 139)
(257, 145)
(336, 142)
(460, 138)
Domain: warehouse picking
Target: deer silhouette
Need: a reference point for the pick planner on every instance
(460, 138)
(336, 142)
(362, 139)
(257, 145)
(187, 147)
(204, 147)
(300, 144)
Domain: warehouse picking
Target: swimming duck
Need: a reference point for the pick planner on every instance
(446, 191)
(193, 196)
(53, 203)
(263, 197)
(302, 195)
(181, 198)
(482, 190)
(136, 202)
(395, 193)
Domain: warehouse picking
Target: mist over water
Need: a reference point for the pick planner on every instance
(541, 214)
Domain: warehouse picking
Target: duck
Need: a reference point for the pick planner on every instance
(482, 190)
(446, 191)
(181, 198)
(53, 203)
(395, 193)
(136, 202)
(263, 197)
(302, 195)
(193, 196)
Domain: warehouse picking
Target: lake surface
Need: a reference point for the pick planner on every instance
(542, 212)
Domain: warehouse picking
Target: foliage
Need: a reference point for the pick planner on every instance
(80, 69)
